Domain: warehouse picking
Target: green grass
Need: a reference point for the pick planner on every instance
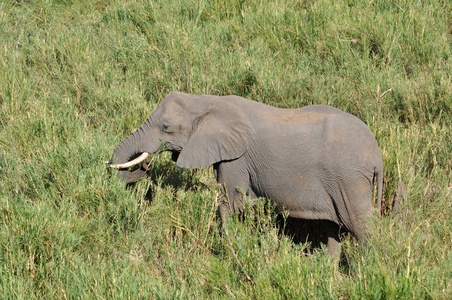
(76, 77)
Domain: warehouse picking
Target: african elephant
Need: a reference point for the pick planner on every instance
(315, 162)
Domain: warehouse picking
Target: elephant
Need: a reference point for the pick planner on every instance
(315, 162)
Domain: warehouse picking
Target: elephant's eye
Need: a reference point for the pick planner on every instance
(165, 128)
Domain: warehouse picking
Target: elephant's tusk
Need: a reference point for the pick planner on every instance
(132, 162)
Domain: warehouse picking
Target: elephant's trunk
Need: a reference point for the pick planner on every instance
(126, 154)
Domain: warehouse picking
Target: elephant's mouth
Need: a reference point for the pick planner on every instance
(133, 169)
(147, 165)
(141, 165)
(175, 155)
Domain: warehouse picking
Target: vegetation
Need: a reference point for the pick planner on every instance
(76, 77)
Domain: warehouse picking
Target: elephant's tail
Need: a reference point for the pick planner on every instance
(379, 175)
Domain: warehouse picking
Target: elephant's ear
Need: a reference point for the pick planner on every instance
(224, 132)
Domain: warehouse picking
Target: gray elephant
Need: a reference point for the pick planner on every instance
(315, 162)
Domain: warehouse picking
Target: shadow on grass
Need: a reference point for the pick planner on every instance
(314, 232)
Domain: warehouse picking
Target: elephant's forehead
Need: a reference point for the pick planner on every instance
(170, 113)
(173, 103)
(186, 105)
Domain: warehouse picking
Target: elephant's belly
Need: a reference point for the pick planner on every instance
(306, 199)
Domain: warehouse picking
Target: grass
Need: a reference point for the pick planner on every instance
(76, 77)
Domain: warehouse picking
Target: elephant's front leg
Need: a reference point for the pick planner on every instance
(224, 209)
(235, 182)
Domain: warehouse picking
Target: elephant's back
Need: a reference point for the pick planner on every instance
(323, 109)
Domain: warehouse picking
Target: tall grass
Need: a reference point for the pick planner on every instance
(76, 77)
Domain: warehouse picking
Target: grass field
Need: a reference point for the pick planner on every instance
(76, 77)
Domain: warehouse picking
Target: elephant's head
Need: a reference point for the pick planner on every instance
(198, 130)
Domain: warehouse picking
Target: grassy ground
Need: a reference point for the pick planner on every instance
(76, 77)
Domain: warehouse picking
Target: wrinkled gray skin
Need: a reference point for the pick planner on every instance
(315, 162)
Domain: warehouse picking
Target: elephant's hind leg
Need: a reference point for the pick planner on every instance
(361, 214)
(333, 243)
